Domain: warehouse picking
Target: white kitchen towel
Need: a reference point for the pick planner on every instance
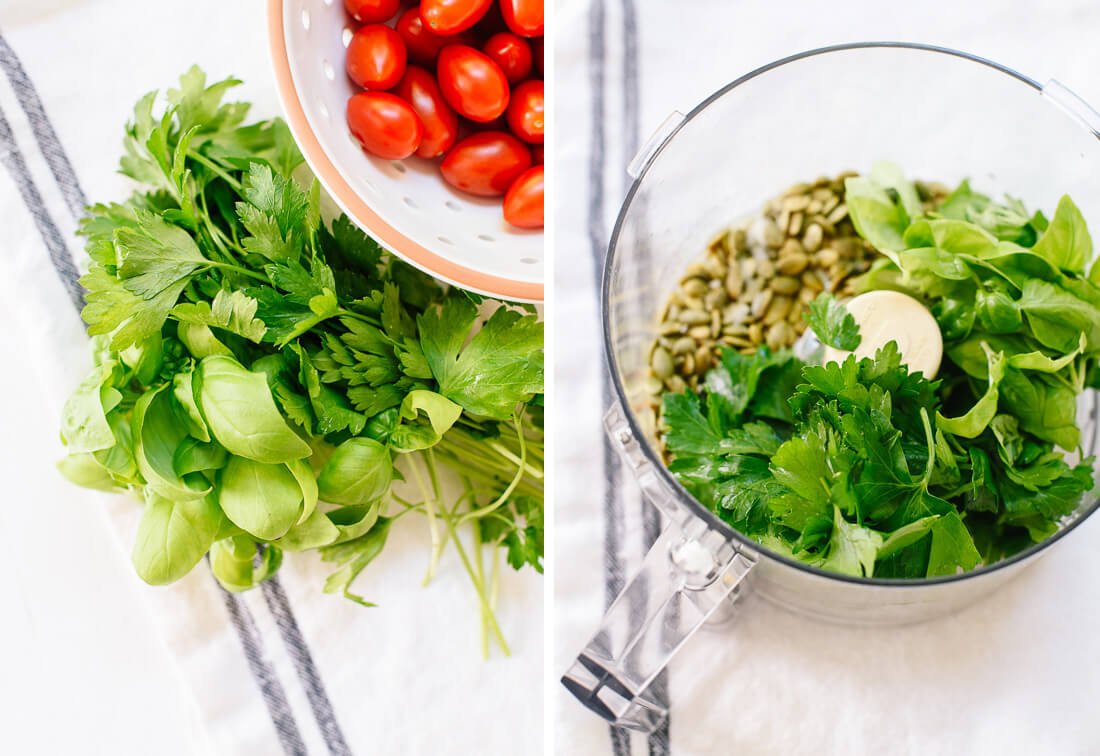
(1018, 673)
(284, 668)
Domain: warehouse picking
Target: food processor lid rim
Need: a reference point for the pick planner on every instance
(666, 476)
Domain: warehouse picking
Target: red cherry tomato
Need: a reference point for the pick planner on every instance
(524, 17)
(384, 124)
(422, 44)
(472, 83)
(452, 16)
(512, 53)
(376, 57)
(526, 116)
(419, 89)
(523, 202)
(537, 154)
(372, 11)
(537, 51)
(486, 163)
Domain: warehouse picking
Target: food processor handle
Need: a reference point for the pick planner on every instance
(690, 572)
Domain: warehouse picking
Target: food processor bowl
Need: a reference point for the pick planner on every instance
(940, 114)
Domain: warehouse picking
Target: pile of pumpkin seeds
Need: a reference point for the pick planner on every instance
(754, 283)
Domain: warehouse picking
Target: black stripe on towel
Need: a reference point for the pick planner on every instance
(307, 670)
(613, 515)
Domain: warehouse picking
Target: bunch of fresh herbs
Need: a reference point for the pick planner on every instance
(263, 378)
(864, 468)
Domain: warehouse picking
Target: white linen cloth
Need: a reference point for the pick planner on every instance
(1015, 674)
(116, 666)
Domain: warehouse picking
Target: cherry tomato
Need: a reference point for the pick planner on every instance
(486, 163)
(512, 53)
(537, 51)
(452, 16)
(419, 89)
(526, 116)
(472, 83)
(384, 124)
(376, 57)
(523, 202)
(537, 153)
(372, 11)
(423, 45)
(524, 17)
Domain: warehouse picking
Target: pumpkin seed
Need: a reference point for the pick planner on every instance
(796, 203)
(795, 225)
(793, 264)
(779, 336)
(734, 282)
(811, 240)
(694, 317)
(676, 384)
(777, 310)
(703, 358)
(785, 285)
(694, 287)
(737, 241)
(661, 362)
(716, 298)
(683, 345)
(838, 214)
(699, 332)
(765, 268)
(736, 313)
(825, 258)
(687, 366)
(736, 341)
(756, 333)
(653, 385)
(812, 281)
(761, 302)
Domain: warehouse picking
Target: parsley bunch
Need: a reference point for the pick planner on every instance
(863, 468)
(261, 378)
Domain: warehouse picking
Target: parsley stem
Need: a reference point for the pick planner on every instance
(241, 271)
(215, 168)
(433, 519)
(494, 628)
(520, 469)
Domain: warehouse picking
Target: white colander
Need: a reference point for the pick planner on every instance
(405, 205)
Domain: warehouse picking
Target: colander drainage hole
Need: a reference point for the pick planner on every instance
(346, 36)
(409, 201)
(305, 19)
(486, 237)
(330, 72)
(452, 205)
(328, 2)
(399, 167)
(528, 261)
(322, 108)
(444, 239)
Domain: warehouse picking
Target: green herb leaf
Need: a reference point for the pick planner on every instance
(832, 323)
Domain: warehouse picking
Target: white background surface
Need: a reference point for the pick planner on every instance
(89, 653)
(1017, 673)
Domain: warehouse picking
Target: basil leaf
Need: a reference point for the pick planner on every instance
(1066, 242)
(264, 500)
(357, 473)
(241, 413)
(173, 536)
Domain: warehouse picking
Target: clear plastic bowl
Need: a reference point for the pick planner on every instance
(941, 115)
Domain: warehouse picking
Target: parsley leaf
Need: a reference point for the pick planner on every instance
(501, 367)
(832, 323)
